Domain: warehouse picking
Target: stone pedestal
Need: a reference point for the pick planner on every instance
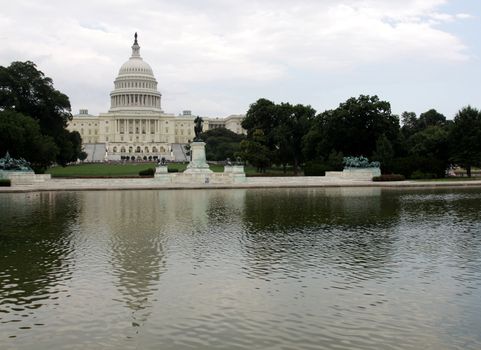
(162, 173)
(161, 169)
(362, 174)
(24, 177)
(198, 163)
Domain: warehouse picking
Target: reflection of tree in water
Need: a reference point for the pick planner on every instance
(294, 231)
(35, 250)
(444, 223)
(137, 253)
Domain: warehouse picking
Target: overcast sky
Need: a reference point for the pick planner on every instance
(216, 57)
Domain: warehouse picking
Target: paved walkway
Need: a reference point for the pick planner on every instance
(251, 182)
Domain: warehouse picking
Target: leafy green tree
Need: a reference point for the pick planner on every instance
(221, 144)
(26, 90)
(283, 126)
(431, 118)
(465, 138)
(353, 128)
(424, 144)
(384, 153)
(295, 122)
(409, 124)
(255, 151)
(21, 137)
(262, 115)
(82, 156)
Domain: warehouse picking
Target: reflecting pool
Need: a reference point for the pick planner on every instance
(339, 268)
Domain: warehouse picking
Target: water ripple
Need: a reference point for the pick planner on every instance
(241, 269)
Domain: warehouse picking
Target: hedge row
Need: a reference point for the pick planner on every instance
(147, 172)
(5, 183)
(389, 177)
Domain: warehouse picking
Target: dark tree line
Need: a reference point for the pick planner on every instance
(221, 144)
(33, 118)
(424, 146)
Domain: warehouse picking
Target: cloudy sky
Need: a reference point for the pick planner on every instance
(216, 57)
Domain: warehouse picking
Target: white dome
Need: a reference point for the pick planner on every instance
(136, 66)
(135, 88)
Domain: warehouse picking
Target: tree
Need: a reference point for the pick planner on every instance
(353, 128)
(26, 90)
(465, 138)
(262, 115)
(21, 137)
(294, 123)
(409, 124)
(221, 144)
(255, 151)
(431, 118)
(82, 156)
(283, 126)
(384, 153)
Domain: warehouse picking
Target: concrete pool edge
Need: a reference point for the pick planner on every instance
(268, 182)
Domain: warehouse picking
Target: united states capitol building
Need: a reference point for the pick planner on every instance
(135, 125)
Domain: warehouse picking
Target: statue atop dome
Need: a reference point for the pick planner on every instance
(135, 47)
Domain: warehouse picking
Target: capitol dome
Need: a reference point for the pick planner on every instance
(135, 88)
(136, 65)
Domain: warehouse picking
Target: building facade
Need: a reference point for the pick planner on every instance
(136, 127)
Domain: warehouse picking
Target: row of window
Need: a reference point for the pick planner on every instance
(138, 149)
(135, 84)
(82, 124)
(89, 131)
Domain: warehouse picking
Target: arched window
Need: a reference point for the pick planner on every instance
(130, 149)
(146, 150)
(154, 149)
(162, 150)
(122, 150)
(115, 149)
(138, 150)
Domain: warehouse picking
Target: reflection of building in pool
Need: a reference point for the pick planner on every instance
(140, 226)
(132, 228)
(36, 264)
(136, 127)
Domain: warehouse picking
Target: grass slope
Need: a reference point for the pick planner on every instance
(100, 169)
(132, 169)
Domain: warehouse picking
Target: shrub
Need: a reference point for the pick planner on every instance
(147, 172)
(315, 168)
(172, 170)
(419, 175)
(409, 166)
(5, 183)
(389, 177)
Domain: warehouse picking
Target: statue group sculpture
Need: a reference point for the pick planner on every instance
(8, 163)
(359, 162)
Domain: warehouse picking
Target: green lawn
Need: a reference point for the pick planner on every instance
(100, 169)
(446, 179)
(132, 169)
(114, 169)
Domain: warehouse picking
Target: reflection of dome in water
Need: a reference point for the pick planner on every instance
(135, 87)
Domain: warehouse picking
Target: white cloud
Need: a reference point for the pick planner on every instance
(82, 44)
